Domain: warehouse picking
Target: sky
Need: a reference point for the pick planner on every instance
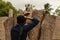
(39, 4)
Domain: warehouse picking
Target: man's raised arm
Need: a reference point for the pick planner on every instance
(32, 24)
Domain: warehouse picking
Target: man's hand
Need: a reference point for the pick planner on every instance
(29, 18)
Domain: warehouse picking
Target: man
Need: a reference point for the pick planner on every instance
(19, 32)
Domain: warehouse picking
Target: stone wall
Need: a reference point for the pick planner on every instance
(49, 27)
(2, 28)
(8, 24)
(56, 34)
(33, 34)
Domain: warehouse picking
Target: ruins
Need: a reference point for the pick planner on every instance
(50, 27)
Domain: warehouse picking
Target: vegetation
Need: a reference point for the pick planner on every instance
(57, 11)
(47, 8)
(4, 8)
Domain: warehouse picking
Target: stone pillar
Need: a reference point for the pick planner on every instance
(8, 23)
(2, 28)
(10, 13)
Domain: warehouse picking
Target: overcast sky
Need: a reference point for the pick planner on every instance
(20, 4)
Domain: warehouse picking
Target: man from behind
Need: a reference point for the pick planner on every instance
(19, 32)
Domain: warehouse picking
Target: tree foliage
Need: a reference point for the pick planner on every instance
(57, 11)
(47, 8)
(4, 8)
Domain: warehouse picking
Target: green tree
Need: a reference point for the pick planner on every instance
(57, 11)
(4, 8)
(47, 8)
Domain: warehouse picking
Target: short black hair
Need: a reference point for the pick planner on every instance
(21, 19)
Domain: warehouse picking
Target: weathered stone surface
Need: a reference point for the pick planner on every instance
(33, 34)
(2, 28)
(47, 27)
(56, 34)
(10, 12)
(50, 27)
(8, 24)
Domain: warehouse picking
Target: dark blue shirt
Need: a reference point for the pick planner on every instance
(16, 29)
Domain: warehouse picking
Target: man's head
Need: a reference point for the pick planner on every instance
(21, 19)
